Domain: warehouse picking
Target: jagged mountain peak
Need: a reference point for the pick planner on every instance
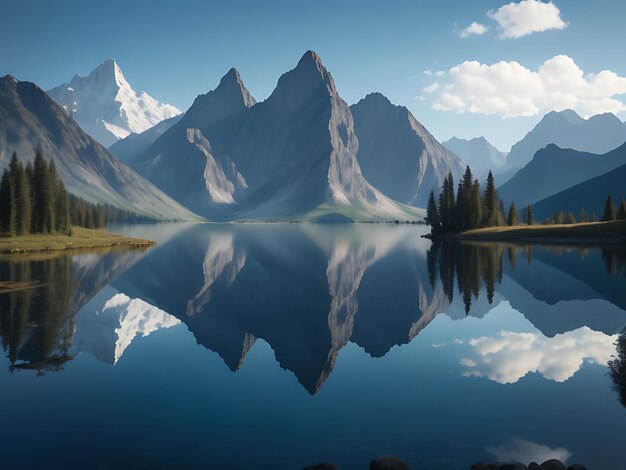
(229, 98)
(309, 76)
(105, 105)
(233, 81)
(568, 114)
(9, 79)
(376, 97)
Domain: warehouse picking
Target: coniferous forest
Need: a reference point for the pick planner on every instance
(33, 199)
(470, 208)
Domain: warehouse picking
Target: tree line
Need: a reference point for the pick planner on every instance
(470, 207)
(33, 199)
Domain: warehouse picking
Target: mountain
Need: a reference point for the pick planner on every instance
(134, 144)
(478, 153)
(598, 134)
(589, 195)
(106, 107)
(554, 169)
(30, 119)
(191, 160)
(292, 156)
(397, 154)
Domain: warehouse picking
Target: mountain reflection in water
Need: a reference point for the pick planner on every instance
(308, 290)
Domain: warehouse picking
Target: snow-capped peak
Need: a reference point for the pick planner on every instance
(105, 105)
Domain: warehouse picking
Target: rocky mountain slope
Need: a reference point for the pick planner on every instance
(397, 154)
(30, 119)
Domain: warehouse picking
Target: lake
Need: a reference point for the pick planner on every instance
(271, 346)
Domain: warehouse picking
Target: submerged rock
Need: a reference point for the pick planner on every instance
(552, 464)
(322, 466)
(388, 463)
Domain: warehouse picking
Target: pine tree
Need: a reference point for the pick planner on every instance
(491, 204)
(62, 211)
(464, 210)
(41, 193)
(447, 206)
(513, 218)
(432, 214)
(594, 217)
(583, 216)
(528, 218)
(475, 205)
(569, 218)
(53, 178)
(88, 218)
(28, 173)
(609, 210)
(21, 192)
(622, 210)
(7, 204)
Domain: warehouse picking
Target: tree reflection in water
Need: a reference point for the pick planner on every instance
(617, 368)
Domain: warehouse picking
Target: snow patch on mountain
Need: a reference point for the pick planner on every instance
(106, 107)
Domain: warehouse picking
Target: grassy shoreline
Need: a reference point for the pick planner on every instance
(81, 238)
(597, 232)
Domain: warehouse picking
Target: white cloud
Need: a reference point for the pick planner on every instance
(509, 356)
(474, 29)
(509, 89)
(468, 363)
(523, 451)
(526, 17)
(428, 72)
(431, 88)
(440, 73)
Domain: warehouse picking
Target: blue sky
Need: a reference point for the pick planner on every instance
(176, 50)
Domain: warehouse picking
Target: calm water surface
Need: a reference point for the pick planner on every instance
(279, 346)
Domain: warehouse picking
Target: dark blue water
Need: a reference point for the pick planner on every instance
(280, 346)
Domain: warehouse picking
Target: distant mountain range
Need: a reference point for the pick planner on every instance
(479, 154)
(106, 107)
(566, 129)
(554, 169)
(30, 119)
(293, 156)
(589, 195)
(134, 144)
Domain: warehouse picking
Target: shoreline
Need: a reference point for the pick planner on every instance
(81, 238)
(613, 232)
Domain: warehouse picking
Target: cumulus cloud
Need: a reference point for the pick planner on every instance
(523, 451)
(526, 17)
(431, 88)
(474, 29)
(509, 356)
(510, 89)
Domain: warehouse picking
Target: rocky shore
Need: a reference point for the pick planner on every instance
(395, 463)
